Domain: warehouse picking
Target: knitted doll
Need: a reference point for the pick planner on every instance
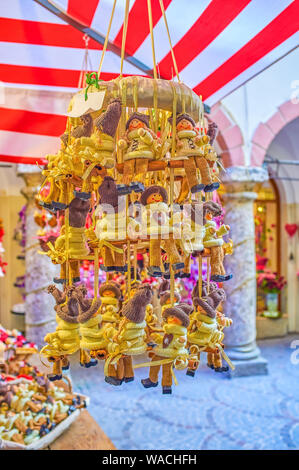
(141, 145)
(172, 347)
(130, 338)
(191, 241)
(156, 225)
(77, 243)
(204, 290)
(165, 299)
(214, 242)
(190, 147)
(112, 226)
(65, 340)
(89, 320)
(204, 333)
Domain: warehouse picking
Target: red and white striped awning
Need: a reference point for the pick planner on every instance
(218, 45)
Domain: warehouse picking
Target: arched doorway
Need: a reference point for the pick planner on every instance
(281, 156)
(267, 245)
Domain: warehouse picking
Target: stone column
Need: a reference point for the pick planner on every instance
(239, 183)
(39, 270)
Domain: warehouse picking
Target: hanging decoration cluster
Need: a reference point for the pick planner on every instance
(137, 160)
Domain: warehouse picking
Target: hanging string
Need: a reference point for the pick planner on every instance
(86, 64)
(150, 21)
(123, 41)
(106, 38)
(169, 39)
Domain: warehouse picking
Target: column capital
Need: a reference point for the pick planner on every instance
(243, 179)
(32, 176)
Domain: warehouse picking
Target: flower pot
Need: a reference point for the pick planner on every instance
(271, 305)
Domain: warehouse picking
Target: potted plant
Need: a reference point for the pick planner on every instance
(271, 283)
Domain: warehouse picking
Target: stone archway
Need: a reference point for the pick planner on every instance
(266, 132)
(229, 138)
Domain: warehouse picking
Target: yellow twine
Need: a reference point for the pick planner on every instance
(169, 39)
(150, 21)
(106, 38)
(123, 42)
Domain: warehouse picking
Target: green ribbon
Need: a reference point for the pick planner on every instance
(91, 79)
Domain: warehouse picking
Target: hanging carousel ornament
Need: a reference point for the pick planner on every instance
(133, 147)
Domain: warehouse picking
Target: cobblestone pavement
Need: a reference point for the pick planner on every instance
(209, 411)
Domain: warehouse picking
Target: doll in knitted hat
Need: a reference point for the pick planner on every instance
(204, 333)
(191, 241)
(65, 340)
(77, 242)
(191, 148)
(110, 295)
(156, 225)
(130, 339)
(214, 242)
(165, 299)
(171, 347)
(140, 145)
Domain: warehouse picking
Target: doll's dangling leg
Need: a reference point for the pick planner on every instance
(128, 369)
(218, 273)
(152, 380)
(61, 203)
(187, 267)
(191, 174)
(86, 360)
(56, 369)
(53, 194)
(221, 262)
(115, 373)
(65, 363)
(141, 172)
(210, 360)
(108, 259)
(216, 261)
(173, 255)
(129, 171)
(217, 361)
(119, 262)
(166, 379)
(206, 174)
(193, 365)
(62, 277)
(184, 191)
(154, 268)
(75, 270)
